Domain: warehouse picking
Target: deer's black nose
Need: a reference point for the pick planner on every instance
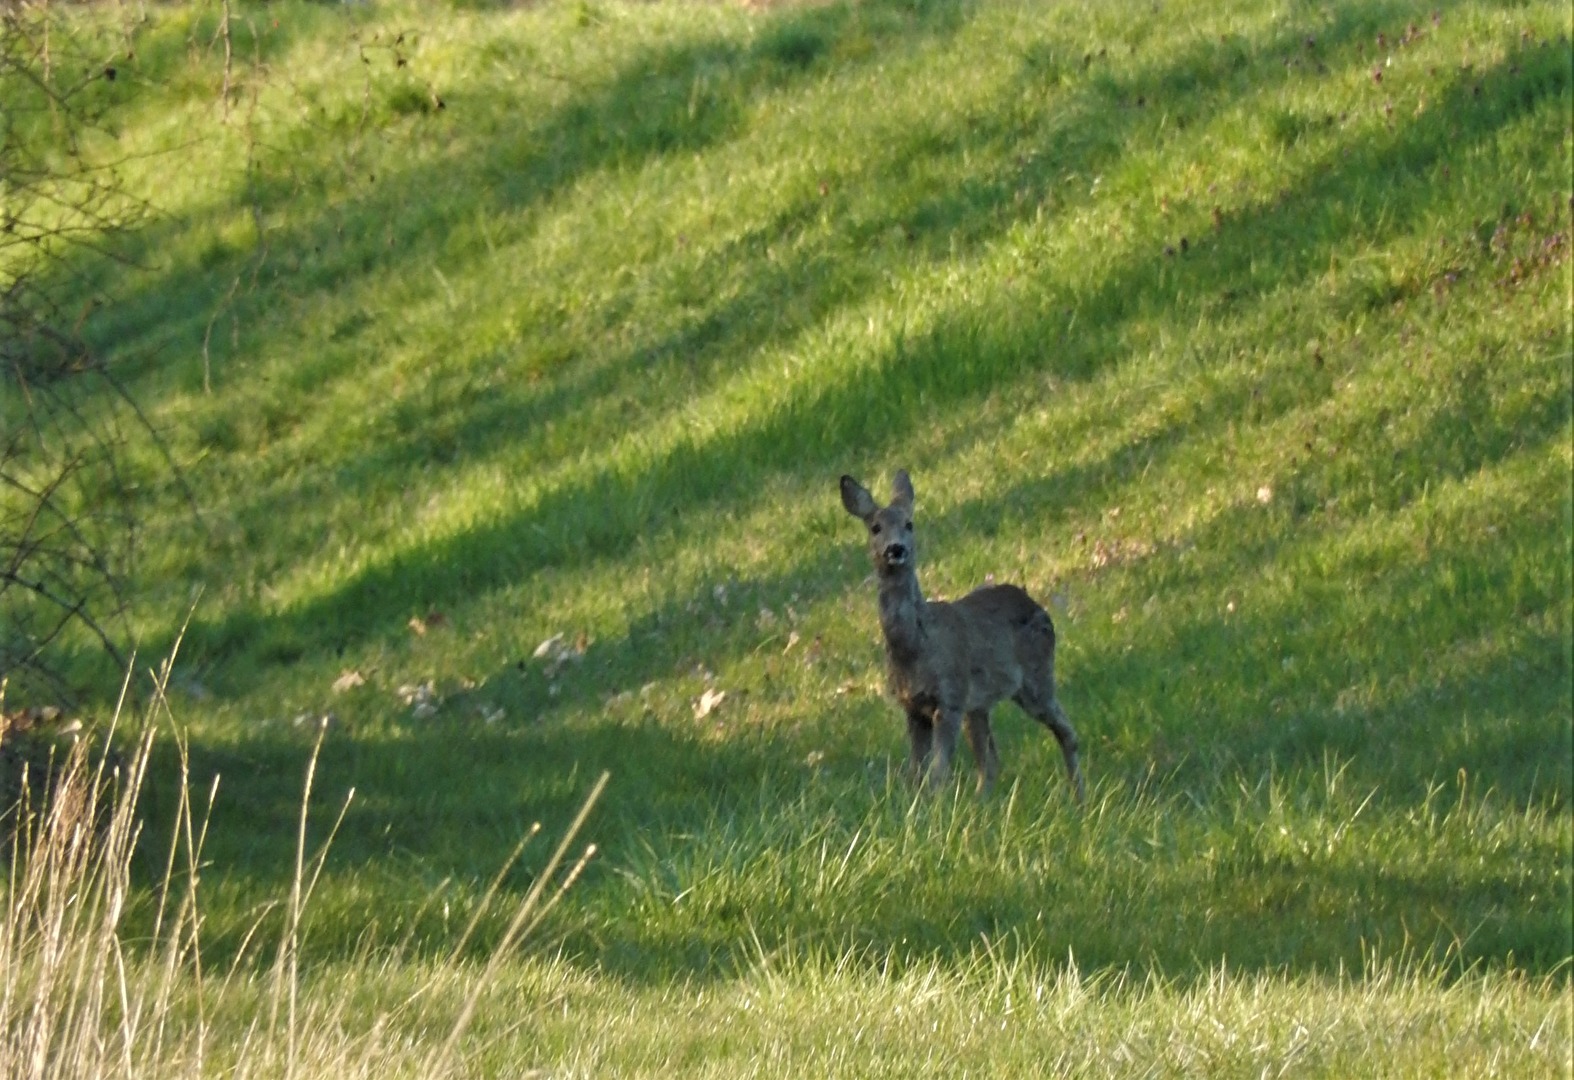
(896, 554)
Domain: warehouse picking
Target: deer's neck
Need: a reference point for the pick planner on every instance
(901, 616)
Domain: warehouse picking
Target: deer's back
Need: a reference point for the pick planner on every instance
(1007, 613)
(982, 646)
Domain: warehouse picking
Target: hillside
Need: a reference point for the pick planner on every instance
(1239, 335)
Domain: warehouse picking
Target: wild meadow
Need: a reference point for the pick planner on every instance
(502, 362)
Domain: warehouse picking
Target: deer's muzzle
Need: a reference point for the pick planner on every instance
(894, 555)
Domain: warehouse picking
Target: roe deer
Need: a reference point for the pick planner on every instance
(950, 662)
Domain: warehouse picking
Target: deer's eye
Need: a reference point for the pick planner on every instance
(908, 526)
(874, 530)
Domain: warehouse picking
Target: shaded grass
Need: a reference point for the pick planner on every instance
(81, 997)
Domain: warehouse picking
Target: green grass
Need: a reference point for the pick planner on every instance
(1255, 366)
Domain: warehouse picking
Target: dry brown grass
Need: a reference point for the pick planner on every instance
(87, 991)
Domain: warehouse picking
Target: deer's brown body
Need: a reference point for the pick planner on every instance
(949, 663)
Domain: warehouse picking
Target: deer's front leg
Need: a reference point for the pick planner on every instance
(985, 753)
(948, 729)
(921, 734)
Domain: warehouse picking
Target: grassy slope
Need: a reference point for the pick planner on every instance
(1254, 363)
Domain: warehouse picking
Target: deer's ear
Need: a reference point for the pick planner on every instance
(902, 490)
(856, 498)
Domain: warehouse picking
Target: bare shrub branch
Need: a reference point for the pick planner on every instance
(67, 493)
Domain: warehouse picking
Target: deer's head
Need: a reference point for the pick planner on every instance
(891, 542)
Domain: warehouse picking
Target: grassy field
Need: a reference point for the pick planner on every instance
(1240, 334)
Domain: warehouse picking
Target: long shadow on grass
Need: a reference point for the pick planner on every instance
(1177, 884)
(680, 99)
(1317, 656)
(591, 524)
(873, 408)
(679, 793)
(434, 807)
(602, 129)
(780, 296)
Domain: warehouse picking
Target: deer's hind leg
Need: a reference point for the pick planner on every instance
(921, 737)
(1041, 704)
(985, 754)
